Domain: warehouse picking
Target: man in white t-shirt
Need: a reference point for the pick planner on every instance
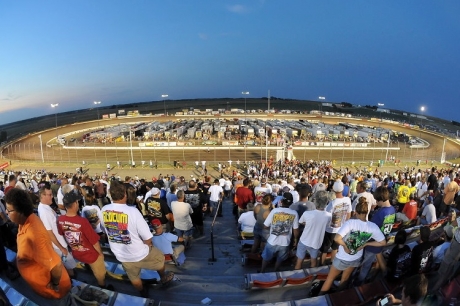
(318, 187)
(60, 195)
(261, 190)
(429, 212)
(130, 239)
(247, 220)
(49, 219)
(422, 190)
(340, 208)
(182, 220)
(361, 189)
(216, 194)
(222, 182)
(227, 187)
(282, 222)
(315, 222)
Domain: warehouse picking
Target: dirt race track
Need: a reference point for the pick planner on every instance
(28, 148)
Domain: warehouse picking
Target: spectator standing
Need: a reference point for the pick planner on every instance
(49, 219)
(361, 189)
(261, 233)
(182, 220)
(244, 195)
(450, 190)
(37, 262)
(315, 222)
(432, 181)
(194, 196)
(261, 190)
(91, 210)
(303, 205)
(352, 237)
(171, 195)
(384, 218)
(82, 239)
(216, 194)
(130, 239)
(283, 222)
(157, 208)
(340, 208)
(422, 190)
(403, 195)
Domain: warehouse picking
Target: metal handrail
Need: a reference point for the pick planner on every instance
(213, 259)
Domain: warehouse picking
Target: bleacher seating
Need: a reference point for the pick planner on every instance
(285, 278)
(303, 277)
(14, 296)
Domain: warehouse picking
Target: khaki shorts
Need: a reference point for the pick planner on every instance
(99, 269)
(155, 260)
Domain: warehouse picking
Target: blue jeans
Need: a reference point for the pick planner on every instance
(366, 265)
(182, 233)
(281, 252)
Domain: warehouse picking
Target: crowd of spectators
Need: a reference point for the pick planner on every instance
(309, 207)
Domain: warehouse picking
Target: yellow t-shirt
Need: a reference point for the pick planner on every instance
(403, 194)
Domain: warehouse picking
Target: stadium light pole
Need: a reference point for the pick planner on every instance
(55, 117)
(97, 107)
(164, 101)
(41, 147)
(422, 109)
(379, 105)
(321, 103)
(245, 93)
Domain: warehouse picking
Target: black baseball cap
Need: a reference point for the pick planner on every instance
(71, 197)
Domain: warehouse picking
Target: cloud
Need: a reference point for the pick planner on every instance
(203, 36)
(11, 96)
(237, 8)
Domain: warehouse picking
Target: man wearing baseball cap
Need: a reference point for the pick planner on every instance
(130, 239)
(282, 222)
(340, 208)
(158, 209)
(81, 238)
(163, 241)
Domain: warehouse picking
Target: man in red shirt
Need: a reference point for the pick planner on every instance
(409, 211)
(244, 195)
(11, 183)
(82, 238)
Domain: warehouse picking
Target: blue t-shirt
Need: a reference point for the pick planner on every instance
(346, 188)
(384, 217)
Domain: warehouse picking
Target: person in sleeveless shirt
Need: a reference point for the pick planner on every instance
(261, 212)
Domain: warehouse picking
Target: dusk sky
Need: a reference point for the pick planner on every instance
(405, 54)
